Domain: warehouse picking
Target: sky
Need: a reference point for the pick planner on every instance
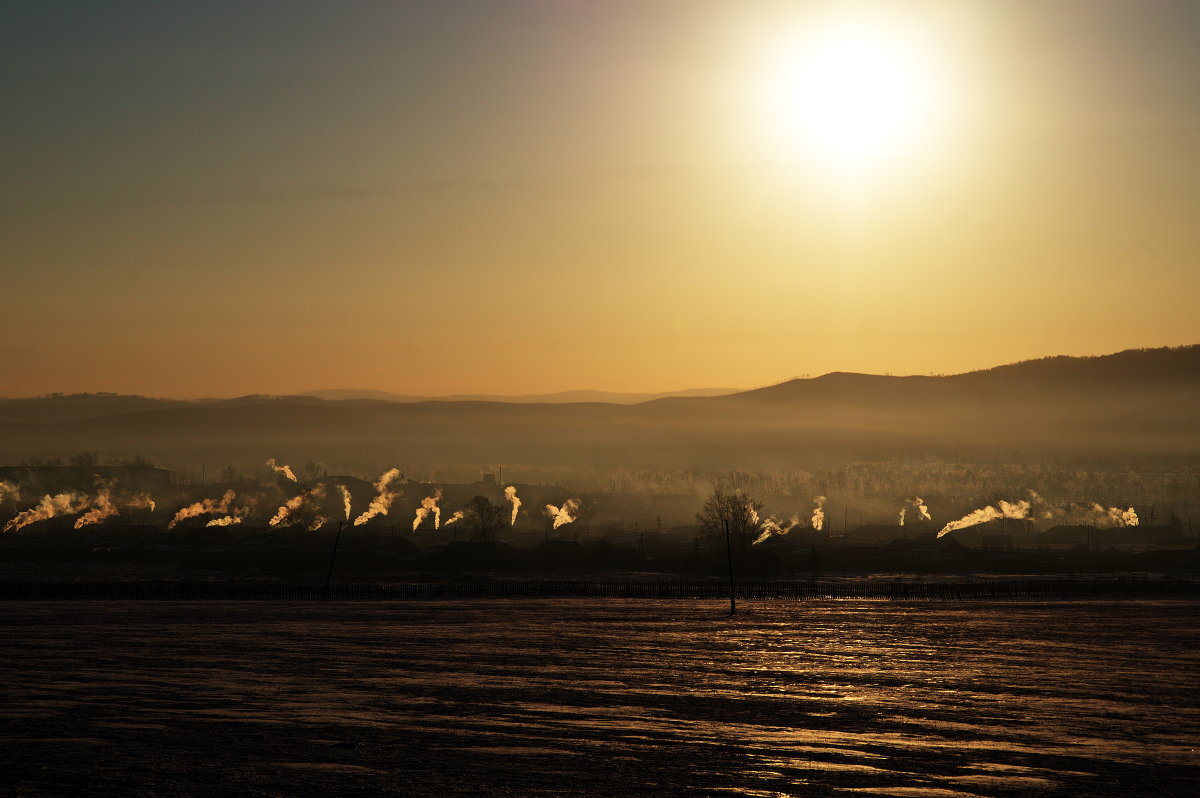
(521, 196)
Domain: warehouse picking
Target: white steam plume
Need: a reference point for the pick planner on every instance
(141, 501)
(919, 504)
(384, 497)
(286, 509)
(1113, 515)
(429, 505)
(1001, 509)
(345, 500)
(458, 516)
(205, 507)
(818, 516)
(47, 508)
(510, 495)
(566, 514)
(282, 470)
(773, 526)
(102, 508)
(293, 505)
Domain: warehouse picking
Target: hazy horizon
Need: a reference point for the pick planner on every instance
(711, 390)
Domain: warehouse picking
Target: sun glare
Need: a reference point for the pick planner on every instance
(851, 94)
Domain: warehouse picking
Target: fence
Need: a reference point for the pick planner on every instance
(626, 589)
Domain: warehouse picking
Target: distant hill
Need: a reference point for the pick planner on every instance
(561, 397)
(1139, 403)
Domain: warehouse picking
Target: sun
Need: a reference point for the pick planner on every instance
(852, 95)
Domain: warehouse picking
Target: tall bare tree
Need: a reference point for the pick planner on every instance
(731, 518)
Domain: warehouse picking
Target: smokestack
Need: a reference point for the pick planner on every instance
(510, 494)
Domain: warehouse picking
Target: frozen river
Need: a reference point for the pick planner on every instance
(586, 697)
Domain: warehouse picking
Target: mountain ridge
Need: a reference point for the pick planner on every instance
(557, 397)
(1129, 403)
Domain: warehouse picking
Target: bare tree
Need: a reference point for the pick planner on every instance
(486, 517)
(731, 518)
(85, 459)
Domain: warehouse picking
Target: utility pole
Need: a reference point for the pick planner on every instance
(329, 574)
(729, 559)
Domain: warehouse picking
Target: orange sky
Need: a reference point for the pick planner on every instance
(519, 197)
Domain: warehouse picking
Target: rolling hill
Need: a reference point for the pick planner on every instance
(1139, 403)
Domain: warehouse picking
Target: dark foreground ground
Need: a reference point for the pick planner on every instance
(600, 697)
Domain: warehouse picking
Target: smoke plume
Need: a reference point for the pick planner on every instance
(458, 516)
(1112, 515)
(286, 509)
(205, 507)
(773, 526)
(9, 491)
(1001, 509)
(47, 508)
(818, 516)
(282, 470)
(292, 506)
(141, 501)
(385, 495)
(345, 500)
(919, 504)
(510, 495)
(566, 514)
(228, 520)
(429, 505)
(102, 508)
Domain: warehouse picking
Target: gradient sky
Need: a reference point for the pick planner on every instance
(219, 198)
